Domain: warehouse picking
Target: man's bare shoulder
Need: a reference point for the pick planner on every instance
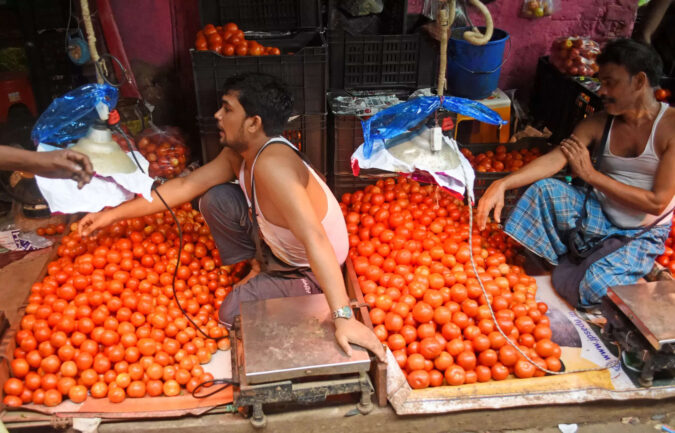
(279, 165)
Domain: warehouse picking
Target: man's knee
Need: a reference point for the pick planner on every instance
(221, 202)
(228, 310)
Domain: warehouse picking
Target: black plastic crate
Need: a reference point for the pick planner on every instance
(262, 15)
(560, 102)
(306, 132)
(302, 66)
(347, 135)
(382, 61)
(343, 183)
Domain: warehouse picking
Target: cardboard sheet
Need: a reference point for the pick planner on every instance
(148, 407)
(582, 348)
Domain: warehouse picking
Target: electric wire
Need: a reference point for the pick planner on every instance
(208, 383)
(494, 318)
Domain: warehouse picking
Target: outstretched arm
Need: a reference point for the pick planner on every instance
(63, 164)
(545, 166)
(175, 192)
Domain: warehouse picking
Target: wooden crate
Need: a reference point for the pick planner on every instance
(378, 369)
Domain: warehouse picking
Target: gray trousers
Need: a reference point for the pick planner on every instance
(225, 210)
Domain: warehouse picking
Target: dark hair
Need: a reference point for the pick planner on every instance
(635, 57)
(263, 95)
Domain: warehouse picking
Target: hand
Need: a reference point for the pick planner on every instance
(493, 198)
(93, 221)
(352, 331)
(63, 164)
(578, 157)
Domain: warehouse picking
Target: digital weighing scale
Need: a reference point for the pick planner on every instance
(284, 350)
(640, 319)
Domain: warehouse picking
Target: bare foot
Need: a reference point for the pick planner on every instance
(255, 270)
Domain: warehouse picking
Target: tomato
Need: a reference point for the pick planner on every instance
(418, 379)
(524, 369)
(13, 386)
(455, 375)
(52, 397)
(77, 393)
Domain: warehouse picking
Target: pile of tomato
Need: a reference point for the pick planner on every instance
(51, 230)
(104, 321)
(409, 245)
(667, 259)
(500, 160)
(229, 40)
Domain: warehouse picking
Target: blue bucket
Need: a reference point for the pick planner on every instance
(473, 71)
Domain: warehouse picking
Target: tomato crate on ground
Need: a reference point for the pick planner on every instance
(301, 66)
(307, 132)
(342, 183)
(347, 135)
(262, 15)
(381, 61)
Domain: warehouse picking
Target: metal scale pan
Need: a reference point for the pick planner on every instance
(284, 350)
(650, 307)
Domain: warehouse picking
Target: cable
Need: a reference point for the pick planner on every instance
(226, 382)
(120, 131)
(494, 318)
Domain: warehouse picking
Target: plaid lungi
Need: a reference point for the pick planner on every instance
(549, 208)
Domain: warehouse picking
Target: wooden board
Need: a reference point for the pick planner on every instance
(378, 369)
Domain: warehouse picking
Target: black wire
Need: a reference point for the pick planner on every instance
(226, 382)
(119, 130)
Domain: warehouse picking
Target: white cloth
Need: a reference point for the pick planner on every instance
(63, 196)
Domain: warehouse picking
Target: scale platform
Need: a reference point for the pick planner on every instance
(638, 320)
(650, 307)
(284, 350)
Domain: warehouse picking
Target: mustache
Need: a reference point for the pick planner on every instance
(608, 100)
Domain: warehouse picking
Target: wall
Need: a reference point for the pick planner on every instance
(531, 39)
(146, 30)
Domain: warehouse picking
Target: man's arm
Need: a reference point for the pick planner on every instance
(60, 164)
(175, 192)
(284, 184)
(544, 166)
(652, 201)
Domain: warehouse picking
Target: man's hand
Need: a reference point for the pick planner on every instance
(93, 221)
(578, 157)
(493, 198)
(352, 331)
(63, 164)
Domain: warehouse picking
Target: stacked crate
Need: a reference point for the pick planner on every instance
(393, 62)
(302, 66)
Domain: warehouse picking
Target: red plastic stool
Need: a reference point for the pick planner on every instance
(15, 88)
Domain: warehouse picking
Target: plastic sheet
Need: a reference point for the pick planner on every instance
(575, 56)
(408, 116)
(537, 8)
(69, 117)
(165, 149)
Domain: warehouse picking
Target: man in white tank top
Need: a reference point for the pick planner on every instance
(296, 212)
(633, 186)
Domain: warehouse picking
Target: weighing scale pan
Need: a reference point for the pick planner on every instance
(650, 307)
(287, 338)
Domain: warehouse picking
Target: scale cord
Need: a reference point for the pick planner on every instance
(492, 314)
(208, 383)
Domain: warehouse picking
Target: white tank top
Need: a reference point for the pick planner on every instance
(638, 172)
(283, 243)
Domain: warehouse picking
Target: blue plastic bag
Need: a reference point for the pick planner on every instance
(69, 117)
(402, 118)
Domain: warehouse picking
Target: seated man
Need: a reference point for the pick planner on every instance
(304, 236)
(633, 186)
